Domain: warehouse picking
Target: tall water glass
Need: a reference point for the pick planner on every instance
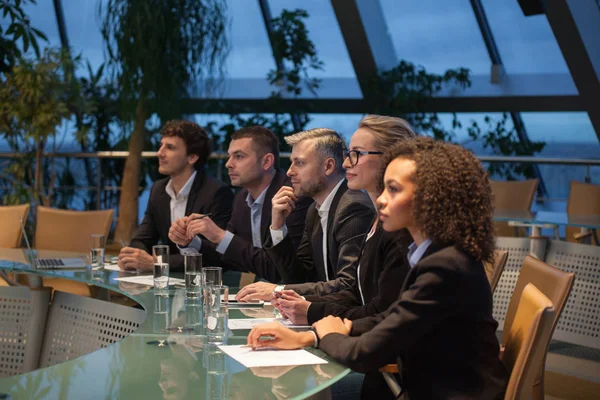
(217, 378)
(160, 255)
(161, 314)
(217, 301)
(213, 276)
(193, 275)
(97, 242)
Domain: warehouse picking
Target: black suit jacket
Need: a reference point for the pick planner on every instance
(207, 195)
(241, 255)
(440, 329)
(383, 268)
(349, 219)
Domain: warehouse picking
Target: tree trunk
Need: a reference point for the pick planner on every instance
(128, 203)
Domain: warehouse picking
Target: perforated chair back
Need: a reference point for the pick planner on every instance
(69, 230)
(493, 270)
(527, 341)
(555, 285)
(518, 249)
(584, 199)
(10, 234)
(513, 196)
(80, 325)
(23, 314)
(579, 323)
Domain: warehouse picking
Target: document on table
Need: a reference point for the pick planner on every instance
(148, 280)
(249, 323)
(115, 267)
(270, 357)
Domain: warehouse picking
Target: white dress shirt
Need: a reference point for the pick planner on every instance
(179, 200)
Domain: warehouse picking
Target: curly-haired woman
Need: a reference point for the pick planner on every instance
(440, 330)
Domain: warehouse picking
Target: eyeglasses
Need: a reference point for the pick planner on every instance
(353, 155)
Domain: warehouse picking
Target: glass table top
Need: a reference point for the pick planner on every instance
(168, 357)
(549, 218)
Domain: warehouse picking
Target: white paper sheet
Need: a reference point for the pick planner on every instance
(247, 323)
(148, 280)
(115, 267)
(270, 357)
(289, 324)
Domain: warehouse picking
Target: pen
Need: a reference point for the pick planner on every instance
(203, 216)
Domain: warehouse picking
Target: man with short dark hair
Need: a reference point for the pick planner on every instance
(336, 224)
(184, 150)
(252, 165)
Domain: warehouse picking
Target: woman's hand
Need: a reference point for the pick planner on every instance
(331, 324)
(281, 337)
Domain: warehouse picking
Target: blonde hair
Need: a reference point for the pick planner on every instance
(387, 130)
(328, 144)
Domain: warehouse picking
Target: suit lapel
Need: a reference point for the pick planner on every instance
(194, 191)
(164, 203)
(331, 245)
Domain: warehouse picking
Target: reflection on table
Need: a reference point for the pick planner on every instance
(168, 357)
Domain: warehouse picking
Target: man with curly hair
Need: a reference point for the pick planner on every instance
(183, 153)
(440, 331)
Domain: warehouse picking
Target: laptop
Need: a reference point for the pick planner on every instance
(50, 263)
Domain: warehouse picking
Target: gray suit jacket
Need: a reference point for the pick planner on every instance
(350, 217)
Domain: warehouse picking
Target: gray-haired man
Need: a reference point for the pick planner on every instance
(336, 224)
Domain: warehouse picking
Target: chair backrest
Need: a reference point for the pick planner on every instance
(494, 270)
(22, 322)
(553, 283)
(79, 325)
(514, 196)
(584, 199)
(518, 249)
(69, 230)
(10, 234)
(527, 341)
(579, 321)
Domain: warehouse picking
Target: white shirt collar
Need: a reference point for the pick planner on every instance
(185, 190)
(259, 200)
(416, 252)
(324, 208)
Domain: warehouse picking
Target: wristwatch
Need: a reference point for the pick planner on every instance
(278, 289)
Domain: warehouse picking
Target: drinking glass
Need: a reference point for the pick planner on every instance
(160, 255)
(193, 315)
(161, 314)
(213, 276)
(97, 242)
(217, 378)
(217, 301)
(193, 275)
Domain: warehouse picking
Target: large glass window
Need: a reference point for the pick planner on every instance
(526, 44)
(324, 31)
(437, 34)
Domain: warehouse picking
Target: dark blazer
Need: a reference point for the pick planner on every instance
(383, 268)
(207, 195)
(350, 217)
(440, 331)
(241, 255)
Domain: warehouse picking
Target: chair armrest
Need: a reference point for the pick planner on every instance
(390, 368)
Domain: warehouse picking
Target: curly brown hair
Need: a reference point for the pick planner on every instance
(195, 138)
(453, 198)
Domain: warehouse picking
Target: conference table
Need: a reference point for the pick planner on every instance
(167, 357)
